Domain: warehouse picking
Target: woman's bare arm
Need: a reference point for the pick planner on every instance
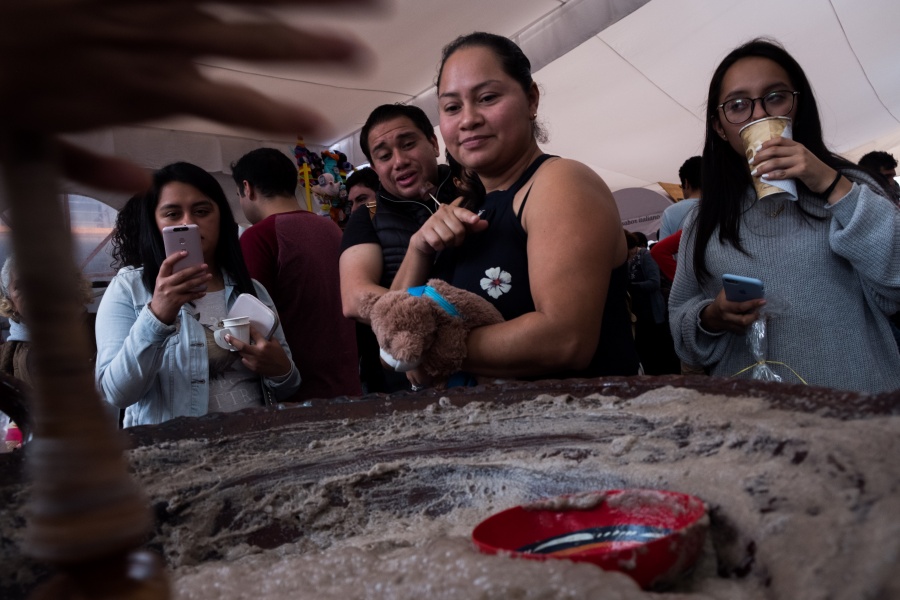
(575, 240)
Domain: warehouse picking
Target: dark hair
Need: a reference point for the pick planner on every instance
(366, 177)
(878, 159)
(387, 112)
(512, 60)
(267, 170)
(631, 240)
(126, 247)
(690, 172)
(228, 250)
(469, 186)
(724, 173)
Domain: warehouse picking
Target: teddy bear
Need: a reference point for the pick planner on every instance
(427, 326)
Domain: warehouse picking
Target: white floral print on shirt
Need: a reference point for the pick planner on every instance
(496, 283)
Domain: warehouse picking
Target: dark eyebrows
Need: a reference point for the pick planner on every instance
(476, 88)
(405, 136)
(204, 202)
(743, 93)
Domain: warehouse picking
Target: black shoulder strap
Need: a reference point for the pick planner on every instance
(529, 172)
(522, 207)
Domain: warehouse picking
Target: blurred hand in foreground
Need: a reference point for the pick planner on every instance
(74, 65)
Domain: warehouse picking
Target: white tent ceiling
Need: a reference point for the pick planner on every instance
(623, 81)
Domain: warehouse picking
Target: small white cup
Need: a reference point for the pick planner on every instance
(236, 327)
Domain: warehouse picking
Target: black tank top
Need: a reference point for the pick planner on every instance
(494, 264)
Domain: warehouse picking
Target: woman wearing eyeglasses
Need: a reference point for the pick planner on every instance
(829, 260)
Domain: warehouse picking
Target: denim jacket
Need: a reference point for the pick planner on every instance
(155, 371)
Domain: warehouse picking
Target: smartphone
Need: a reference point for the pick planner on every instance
(262, 318)
(741, 289)
(183, 237)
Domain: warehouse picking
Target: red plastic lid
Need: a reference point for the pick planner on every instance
(13, 433)
(651, 535)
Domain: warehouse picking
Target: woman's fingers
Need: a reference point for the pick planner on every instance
(184, 282)
(783, 158)
(248, 351)
(724, 315)
(449, 226)
(263, 356)
(740, 315)
(168, 263)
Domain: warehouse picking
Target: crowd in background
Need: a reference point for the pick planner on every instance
(538, 236)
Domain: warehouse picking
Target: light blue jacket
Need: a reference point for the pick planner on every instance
(155, 371)
(674, 215)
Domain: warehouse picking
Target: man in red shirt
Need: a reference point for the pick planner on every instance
(294, 254)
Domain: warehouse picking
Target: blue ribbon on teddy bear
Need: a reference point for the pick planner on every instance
(460, 379)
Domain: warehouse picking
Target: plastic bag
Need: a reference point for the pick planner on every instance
(757, 339)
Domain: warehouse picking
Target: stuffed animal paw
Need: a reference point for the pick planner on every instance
(427, 327)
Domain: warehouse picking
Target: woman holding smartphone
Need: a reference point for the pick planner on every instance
(156, 356)
(829, 261)
(539, 236)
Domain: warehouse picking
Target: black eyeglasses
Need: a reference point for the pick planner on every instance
(775, 104)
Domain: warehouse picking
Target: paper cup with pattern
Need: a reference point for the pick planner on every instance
(753, 135)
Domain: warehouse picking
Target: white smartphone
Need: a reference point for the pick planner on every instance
(183, 237)
(262, 318)
(741, 289)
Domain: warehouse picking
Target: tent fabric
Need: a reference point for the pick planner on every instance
(623, 81)
(641, 209)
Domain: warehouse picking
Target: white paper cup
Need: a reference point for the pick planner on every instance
(236, 327)
(753, 135)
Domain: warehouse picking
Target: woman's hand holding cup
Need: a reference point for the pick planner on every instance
(782, 158)
(233, 328)
(262, 356)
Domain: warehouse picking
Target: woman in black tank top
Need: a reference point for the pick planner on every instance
(544, 243)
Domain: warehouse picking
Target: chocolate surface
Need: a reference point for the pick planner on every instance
(801, 485)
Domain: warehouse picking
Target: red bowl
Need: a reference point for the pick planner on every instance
(651, 535)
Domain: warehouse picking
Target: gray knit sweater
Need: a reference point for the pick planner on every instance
(835, 281)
